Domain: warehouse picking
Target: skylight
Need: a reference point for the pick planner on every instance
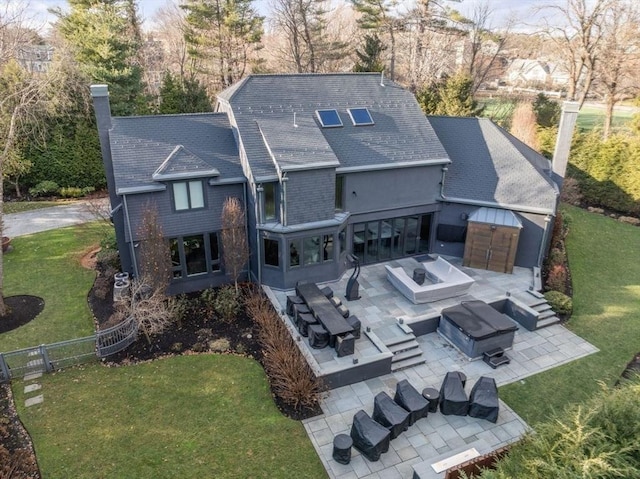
(329, 118)
(360, 116)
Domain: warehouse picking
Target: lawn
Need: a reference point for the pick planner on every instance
(47, 265)
(591, 117)
(606, 281)
(186, 416)
(20, 206)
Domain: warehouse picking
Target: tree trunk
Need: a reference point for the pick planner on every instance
(608, 115)
(5, 153)
(392, 62)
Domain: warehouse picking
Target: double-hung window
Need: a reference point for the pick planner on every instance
(188, 195)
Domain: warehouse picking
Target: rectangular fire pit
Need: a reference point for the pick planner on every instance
(474, 327)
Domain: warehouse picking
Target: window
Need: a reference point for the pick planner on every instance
(327, 248)
(339, 192)
(342, 239)
(269, 201)
(194, 255)
(294, 253)
(329, 118)
(311, 249)
(188, 195)
(271, 252)
(360, 116)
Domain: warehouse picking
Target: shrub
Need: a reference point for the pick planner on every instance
(556, 256)
(208, 300)
(291, 377)
(557, 278)
(44, 188)
(71, 192)
(571, 192)
(227, 303)
(560, 302)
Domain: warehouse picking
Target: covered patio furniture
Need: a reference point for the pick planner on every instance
(318, 336)
(327, 291)
(453, 398)
(304, 321)
(342, 448)
(483, 400)
(354, 322)
(369, 437)
(345, 345)
(390, 415)
(410, 399)
(343, 310)
(291, 300)
(299, 309)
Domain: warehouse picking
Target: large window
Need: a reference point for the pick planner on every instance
(194, 255)
(270, 203)
(311, 250)
(271, 252)
(294, 253)
(188, 195)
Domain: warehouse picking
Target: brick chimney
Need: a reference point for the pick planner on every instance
(563, 143)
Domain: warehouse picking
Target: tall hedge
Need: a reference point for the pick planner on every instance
(608, 171)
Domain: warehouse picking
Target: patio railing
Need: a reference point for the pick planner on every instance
(51, 357)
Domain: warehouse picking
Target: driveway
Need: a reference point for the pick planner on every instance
(43, 219)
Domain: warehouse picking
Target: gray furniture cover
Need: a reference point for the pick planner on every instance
(390, 415)
(369, 437)
(483, 400)
(453, 398)
(410, 399)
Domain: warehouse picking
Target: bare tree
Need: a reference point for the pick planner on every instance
(616, 77)
(524, 126)
(170, 29)
(579, 37)
(235, 248)
(154, 257)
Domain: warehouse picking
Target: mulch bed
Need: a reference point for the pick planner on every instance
(22, 309)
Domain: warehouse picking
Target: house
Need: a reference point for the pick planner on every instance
(527, 72)
(326, 165)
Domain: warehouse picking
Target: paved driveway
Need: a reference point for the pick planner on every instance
(43, 219)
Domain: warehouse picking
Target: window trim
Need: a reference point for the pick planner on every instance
(209, 260)
(187, 184)
(264, 253)
(329, 125)
(359, 123)
(340, 179)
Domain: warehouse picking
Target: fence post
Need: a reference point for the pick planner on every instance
(5, 374)
(45, 357)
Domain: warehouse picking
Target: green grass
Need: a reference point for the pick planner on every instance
(188, 416)
(590, 118)
(21, 206)
(603, 255)
(47, 265)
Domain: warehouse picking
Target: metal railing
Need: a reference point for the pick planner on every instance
(51, 357)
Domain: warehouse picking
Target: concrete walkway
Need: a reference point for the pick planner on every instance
(44, 219)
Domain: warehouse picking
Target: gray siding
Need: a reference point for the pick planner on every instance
(310, 196)
(184, 222)
(388, 189)
(531, 237)
(451, 214)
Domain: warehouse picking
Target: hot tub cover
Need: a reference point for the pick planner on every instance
(478, 320)
(453, 399)
(484, 399)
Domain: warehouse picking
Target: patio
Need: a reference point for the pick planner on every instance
(425, 442)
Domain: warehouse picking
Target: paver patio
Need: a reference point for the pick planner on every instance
(437, 435)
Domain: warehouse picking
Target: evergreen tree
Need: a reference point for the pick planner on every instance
(451, 96)
(547, 111)
(369, 59)
(105, 39)
(188, 96)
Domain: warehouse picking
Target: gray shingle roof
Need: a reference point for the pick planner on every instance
(490, 165)
(141, 145)
(401, 134)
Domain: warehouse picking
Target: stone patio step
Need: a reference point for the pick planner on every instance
(547, 313)
(404, 338)
(408, 363)
(542, 307)
(410, 353)
(530, 299)
(404, 346)
(551, 320)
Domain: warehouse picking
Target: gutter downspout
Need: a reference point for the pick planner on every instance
(283, 198)
(131, 246)
(246, 225)
(259, 215)
(444, 174)
(545, 238)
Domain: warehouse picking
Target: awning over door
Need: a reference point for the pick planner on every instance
(496, 217)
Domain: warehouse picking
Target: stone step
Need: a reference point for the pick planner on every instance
(542, 307)
(408, 363)
(36, 364)
(32, 376)
(530, 299)
(29, 388)
(399, 347)
(410, 353)
(399, 340)
(547, 322)
(34, 400)
(546, 314)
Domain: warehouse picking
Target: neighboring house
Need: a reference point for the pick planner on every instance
(35, 58)
(525, 72)
(326, 165)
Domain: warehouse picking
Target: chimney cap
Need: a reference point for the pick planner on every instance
(99, 91)
(571, 106)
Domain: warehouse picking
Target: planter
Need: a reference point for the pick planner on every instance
(6, 242)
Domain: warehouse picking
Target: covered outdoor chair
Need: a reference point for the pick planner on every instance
(453, 398)
(483, 400)
(318, 336)
(390, 415)
(369, 437)
(410, 399)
